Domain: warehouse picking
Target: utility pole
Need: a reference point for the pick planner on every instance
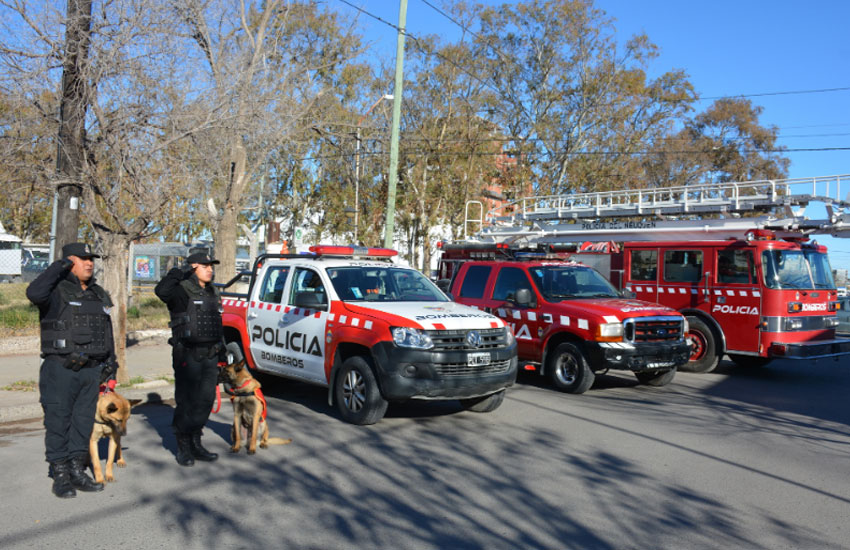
(357, 162)
(70, 149)
(397, 92)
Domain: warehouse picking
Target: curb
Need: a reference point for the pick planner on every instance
(155, 391)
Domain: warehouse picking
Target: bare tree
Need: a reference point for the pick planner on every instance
(267, 63)
(138, 111)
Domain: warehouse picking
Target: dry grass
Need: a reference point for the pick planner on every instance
(20, 318)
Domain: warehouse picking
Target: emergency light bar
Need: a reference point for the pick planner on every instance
(359, 251)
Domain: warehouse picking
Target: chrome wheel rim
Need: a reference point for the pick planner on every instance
(354, 391)
(567, 369)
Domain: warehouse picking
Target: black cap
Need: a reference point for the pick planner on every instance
(80, 250)
(201, 258)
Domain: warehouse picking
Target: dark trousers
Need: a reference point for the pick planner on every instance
(195, 379)
(69, 401)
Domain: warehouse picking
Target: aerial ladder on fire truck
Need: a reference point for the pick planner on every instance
(691, 212)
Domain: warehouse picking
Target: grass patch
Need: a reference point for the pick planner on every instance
(18, 317)
(132, 382)
(21, 385)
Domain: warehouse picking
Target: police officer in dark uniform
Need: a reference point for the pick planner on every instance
(197, 345)
(78, 352)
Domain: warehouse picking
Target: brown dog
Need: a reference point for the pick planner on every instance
(249, 409)
(110, 420)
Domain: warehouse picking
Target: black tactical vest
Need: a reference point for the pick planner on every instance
(201, 322)
(81, 325)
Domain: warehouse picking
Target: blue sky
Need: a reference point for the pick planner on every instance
(727, 48)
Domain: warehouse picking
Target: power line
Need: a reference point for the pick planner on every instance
(416, 41)
(820, 91)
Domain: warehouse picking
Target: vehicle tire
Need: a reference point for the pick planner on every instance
(749, 361)
(704, 356)
(356, 392)
(484, 404)
(568, 369)
(656, 378)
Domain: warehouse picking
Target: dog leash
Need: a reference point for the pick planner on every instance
(107, 387)
(217, 406)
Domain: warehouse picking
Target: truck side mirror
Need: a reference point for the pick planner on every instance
(628, 293)
(524, 298)
(308, 300)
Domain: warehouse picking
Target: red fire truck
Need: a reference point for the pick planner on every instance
(755, 288)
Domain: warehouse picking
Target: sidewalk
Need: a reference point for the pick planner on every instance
(148, 357)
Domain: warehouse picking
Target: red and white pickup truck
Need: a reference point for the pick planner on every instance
(371, 331)
(569, 321)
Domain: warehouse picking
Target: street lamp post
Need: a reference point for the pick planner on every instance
(357, 162)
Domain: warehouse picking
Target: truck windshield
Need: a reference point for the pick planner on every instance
(558, 283)
(796, 269)
(383, 284)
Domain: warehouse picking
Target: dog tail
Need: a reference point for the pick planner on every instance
(278, 441)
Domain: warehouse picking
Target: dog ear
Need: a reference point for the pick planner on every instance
(134, 402)
(239, 366)
(111, 408)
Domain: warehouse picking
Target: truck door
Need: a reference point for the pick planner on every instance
(682, 284)
(525, 320)
(264, 314)
(643, 274)
(303, 324)
(736, 299)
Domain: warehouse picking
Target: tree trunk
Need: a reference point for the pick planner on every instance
(72, 123)
(225, 244)
(116, 249)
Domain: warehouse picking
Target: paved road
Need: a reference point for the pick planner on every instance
(732, 459)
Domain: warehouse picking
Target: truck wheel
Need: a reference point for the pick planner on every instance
(704, 356)
(656, 378)
(357, 395)
(568, 369)
(485, 404)
(749, 361)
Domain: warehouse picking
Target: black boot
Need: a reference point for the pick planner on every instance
(62, 487)
(198, 450)
(184, 450)
(79, 478)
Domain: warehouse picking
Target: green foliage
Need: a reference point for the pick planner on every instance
(133, 312)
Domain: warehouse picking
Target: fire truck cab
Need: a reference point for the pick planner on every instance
(756, 299)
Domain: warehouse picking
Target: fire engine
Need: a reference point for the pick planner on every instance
(735, 258)
(370, 331)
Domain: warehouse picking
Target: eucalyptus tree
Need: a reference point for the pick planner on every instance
(578, 105)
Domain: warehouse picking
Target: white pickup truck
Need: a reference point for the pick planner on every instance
(370, 331)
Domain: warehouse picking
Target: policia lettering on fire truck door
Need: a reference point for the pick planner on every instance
(286, 338)
(736, 298)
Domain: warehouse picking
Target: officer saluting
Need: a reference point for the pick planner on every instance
(78, 352)
(197, 343)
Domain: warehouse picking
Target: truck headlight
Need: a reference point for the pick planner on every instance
(793, 323)
(510, 338)
(405, 337)
(609, 332)
(830, 322)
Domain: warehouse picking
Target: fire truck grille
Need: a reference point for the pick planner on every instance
(454, 340)
(450, 370)
(655, 329)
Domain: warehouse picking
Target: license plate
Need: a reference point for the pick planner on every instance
(478, 359)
